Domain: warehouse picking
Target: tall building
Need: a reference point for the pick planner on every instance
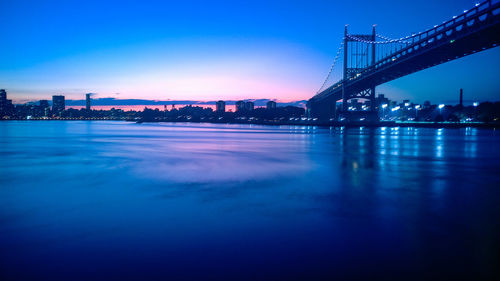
(381, 100)
(44, 107)
(87, 102)
(5, 104)
(249, 106)
(461, 98)
(3, 95)
(220, 106)
(240, 106)
(58, 105)
(271, 105)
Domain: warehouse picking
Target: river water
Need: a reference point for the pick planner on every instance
(124, 201)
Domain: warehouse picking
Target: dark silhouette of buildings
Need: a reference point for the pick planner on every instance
(44, 103)
(220, 106)
(271, 105)
(44, 108)
(249, 106)
(3, 101)
(6, 106)
(427, 104)
(240, 106)
(461, 98)
(387, 110)
(87, 102)
(381, 100)
(58, 105)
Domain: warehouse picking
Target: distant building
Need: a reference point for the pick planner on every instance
(240, 106)
(58, 105)
(87, 100)
(5, 104)
(271, 105)
(44, 107)
(427, 104)
(44, 103)
(381, 100)
(220, 106)
(461, 104)
(249, 106)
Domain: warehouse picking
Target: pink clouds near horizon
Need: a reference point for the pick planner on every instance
(160, 71)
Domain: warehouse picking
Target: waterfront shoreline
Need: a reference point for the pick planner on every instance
(437, 125)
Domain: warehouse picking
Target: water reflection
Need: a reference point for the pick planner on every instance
(292, 201)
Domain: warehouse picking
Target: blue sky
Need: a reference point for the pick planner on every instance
(207, 50)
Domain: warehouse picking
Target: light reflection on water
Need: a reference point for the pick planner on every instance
(194, 200)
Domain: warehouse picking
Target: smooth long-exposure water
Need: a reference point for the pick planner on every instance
(126, 201)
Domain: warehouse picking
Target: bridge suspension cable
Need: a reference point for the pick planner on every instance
(333, 65)
(400, 40)
(387, 40)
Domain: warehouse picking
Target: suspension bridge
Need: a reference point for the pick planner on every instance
(370, 60)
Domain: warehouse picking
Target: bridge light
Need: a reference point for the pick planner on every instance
(477, 4)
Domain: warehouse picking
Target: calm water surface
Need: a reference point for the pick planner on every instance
(126, 201)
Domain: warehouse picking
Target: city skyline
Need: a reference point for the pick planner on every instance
(138, 52)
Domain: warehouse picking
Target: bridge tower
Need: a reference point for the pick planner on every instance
(357, 57)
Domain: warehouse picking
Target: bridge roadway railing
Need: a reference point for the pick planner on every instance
(477, 15)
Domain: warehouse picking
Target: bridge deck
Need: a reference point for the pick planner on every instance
(466, 35)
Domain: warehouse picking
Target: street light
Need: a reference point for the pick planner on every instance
(395, 109)
(475, 104)
(441, 108)
(383, 110)
(417, 107)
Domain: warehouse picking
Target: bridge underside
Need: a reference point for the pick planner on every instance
(449, 47)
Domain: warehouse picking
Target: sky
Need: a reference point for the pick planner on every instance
(210, 50)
